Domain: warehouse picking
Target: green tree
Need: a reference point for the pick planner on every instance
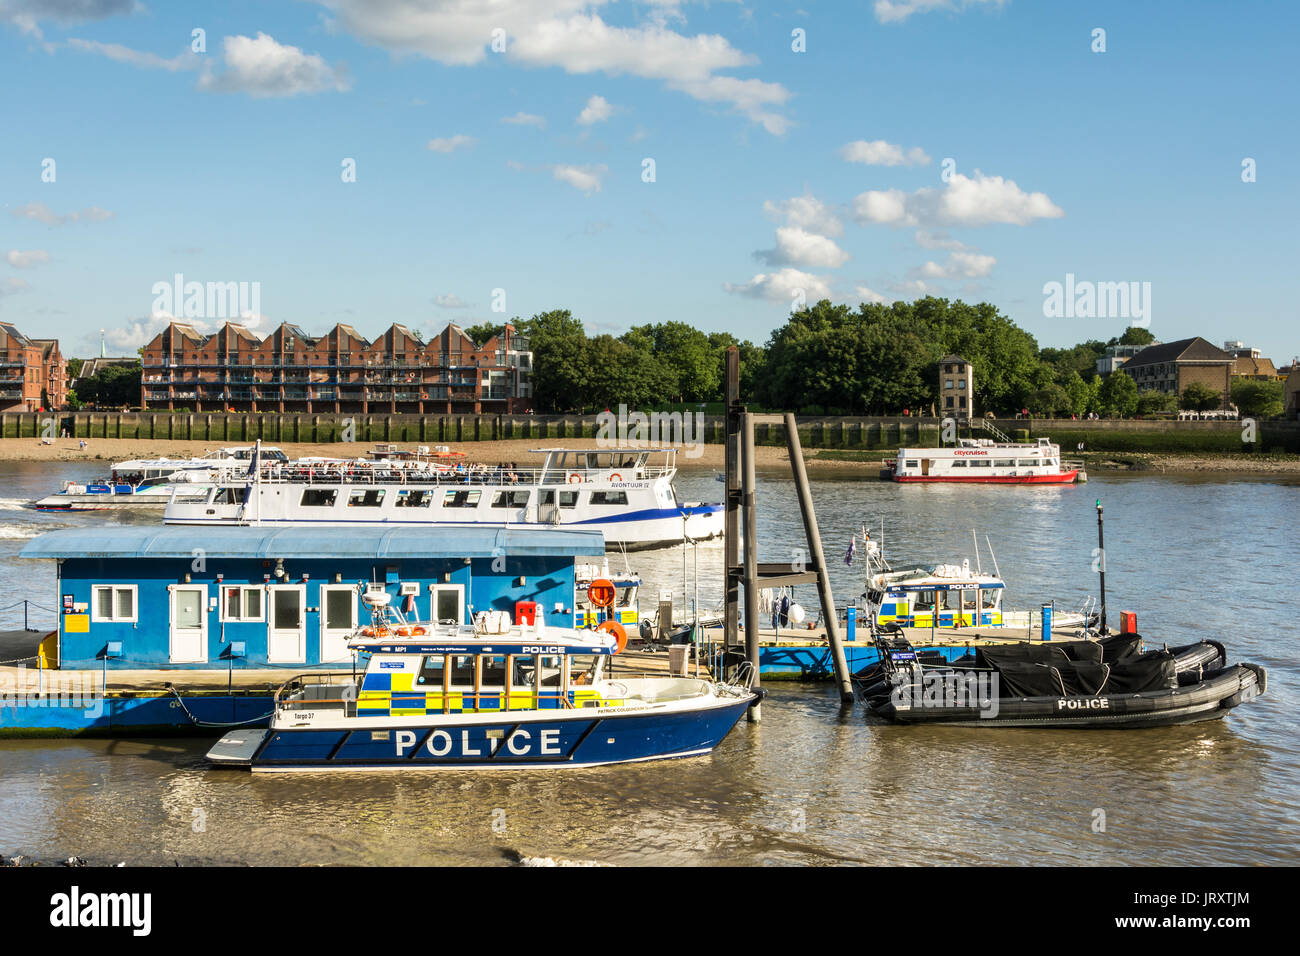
(684, 350)
(559, 346)
(1256, 399)
(1083, 394)
(1136, 335)
(482, 333)
(1118, 395)
(113, 386)
(73, 368)
(1199, 397)
(1152, 402)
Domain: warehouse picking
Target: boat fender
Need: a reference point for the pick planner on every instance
(759, 694)
(575, 479)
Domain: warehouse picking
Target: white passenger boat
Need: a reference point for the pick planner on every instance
(492, 696)
(981, 460)
(150, 482)
(628, 495)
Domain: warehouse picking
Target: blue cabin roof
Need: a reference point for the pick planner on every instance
(179, 541)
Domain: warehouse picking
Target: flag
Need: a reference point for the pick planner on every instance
(853, 549)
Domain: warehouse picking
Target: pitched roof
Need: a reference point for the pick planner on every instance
(1245, 365)
(1195, 349)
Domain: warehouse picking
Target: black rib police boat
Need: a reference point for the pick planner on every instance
(1106, 683)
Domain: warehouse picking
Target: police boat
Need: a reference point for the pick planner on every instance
(1110, 683)
(490, 695)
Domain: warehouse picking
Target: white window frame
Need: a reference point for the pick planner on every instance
(97, 618)
(221, 598)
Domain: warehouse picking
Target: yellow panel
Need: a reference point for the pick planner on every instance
(76, 624)
(402, 682)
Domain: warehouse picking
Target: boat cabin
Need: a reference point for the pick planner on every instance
(936, 596)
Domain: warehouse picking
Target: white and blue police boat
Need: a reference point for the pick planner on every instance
(492, 695)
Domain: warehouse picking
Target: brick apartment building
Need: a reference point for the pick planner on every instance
(956, 387)
(1172, 366)
(291, 371)
(33, 375)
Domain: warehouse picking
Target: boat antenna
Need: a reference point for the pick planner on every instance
(1101, 566)
(974, 537)
(993, 556)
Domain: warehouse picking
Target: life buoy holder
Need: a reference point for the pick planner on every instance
(615, 477)
(619, 632)
(575, 479)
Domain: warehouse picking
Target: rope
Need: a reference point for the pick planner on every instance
(208, 723)
(19, 660)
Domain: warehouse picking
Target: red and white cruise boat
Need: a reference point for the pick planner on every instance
(982, 460)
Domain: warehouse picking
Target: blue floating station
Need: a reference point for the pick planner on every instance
(217, 607)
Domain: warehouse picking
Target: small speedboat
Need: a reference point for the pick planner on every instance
(485, 696)
(1109, 683)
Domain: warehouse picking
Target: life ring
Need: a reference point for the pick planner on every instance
(619, 632)
(601, 592)
(575, 479)
(374, 632)
(416, 631)
(615, 477)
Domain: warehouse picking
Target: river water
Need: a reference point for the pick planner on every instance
(814, 783)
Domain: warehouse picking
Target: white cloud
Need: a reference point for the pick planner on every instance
(806, 212)
(870, 296)
(597, 110)
(450, 144)
(449, 301)
(568, 34)
(799, 247)
(879, 153)
(782, 286)
(25, 260)
(585, 178)
(13, 286)
(937, 239)
(895, 11)
(262, 67)
(978, 200)
(958, 265)
(40, 212)
(124, 54)
(525, 119)
(26, 14)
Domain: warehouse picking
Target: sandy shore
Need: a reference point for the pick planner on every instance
(710, 458)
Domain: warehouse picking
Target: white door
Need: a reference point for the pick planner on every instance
(338, 619)
(448, 602)
(286, 624)
(188, 643)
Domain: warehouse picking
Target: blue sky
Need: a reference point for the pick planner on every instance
(775, 171)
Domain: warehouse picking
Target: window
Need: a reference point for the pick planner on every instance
(963, 401)
(1004, 463)
(961, 383)
(413, 499)
(339, 606)
(924, 601)
(910, 463)
(960, 463)
(366, 498)
(241, 603)
(609, 497)
(229, 496)
(568, 499)
(947, 383)
(113, 604)
(582, 669)
(461, 499)
(319, 497)
(462, 670)
(947, 402)
(431, 671)
(980, 463)
(510, 499)
(1027, 463)
(492, 671)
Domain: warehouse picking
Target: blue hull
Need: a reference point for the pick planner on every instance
(534, 742)
(131, 716)
(811, 662)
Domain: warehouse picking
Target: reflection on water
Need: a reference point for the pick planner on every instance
(814, 783)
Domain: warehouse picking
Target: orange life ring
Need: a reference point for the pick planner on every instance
(601, 592)
(615, 477)
(619, 632)
(414, 631)
(575, 479)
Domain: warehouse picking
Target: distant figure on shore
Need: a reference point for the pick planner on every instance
(83, 444)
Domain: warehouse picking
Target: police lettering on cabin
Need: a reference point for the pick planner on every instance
(459, 745)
